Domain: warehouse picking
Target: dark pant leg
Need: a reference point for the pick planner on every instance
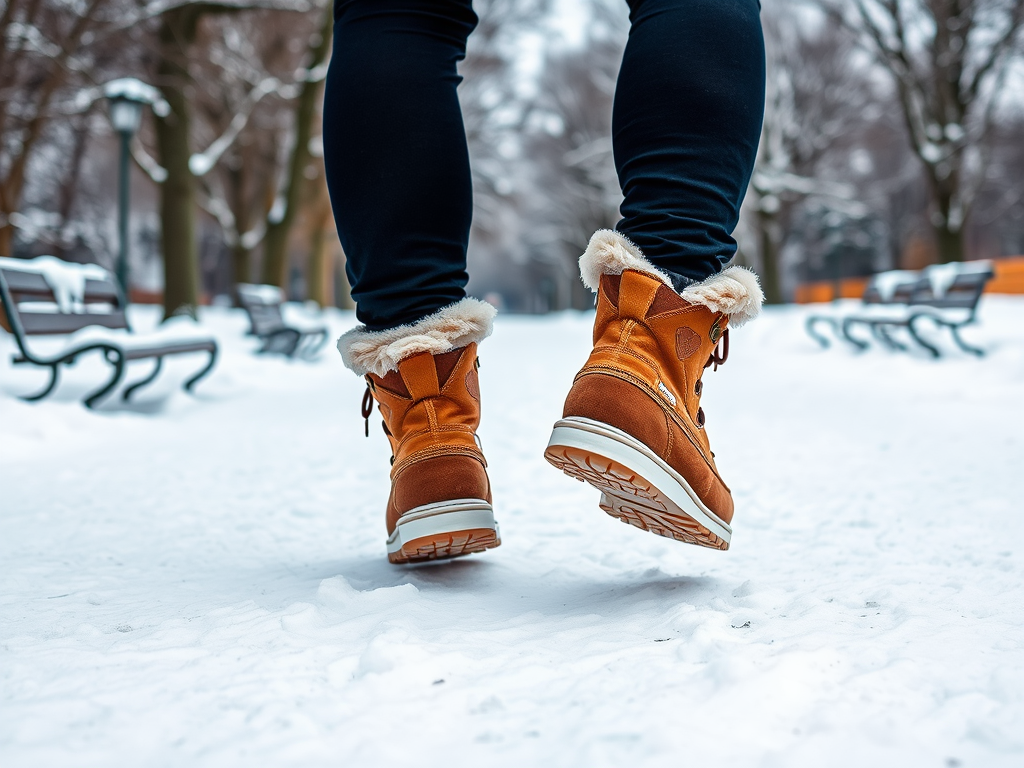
(396, 156)
(686, 123)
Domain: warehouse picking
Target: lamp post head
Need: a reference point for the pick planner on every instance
(126, 114)
(127, 97)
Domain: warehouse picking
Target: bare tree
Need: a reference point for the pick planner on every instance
(260, 85)
(41, 56)
(175, 69)
(283, 213)
(817, 95)
(947, 60)
(576, 190)
(494, 107)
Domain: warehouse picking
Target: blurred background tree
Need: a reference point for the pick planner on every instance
(893, 137)
(948, 61)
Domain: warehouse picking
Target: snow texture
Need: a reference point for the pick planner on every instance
(202, 580)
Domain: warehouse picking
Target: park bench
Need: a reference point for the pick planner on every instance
(263, 304)
(49, 297)
(882, 293)
(945, 295)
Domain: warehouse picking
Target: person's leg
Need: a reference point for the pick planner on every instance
(398, 173)
(686, 123)
(396, 156)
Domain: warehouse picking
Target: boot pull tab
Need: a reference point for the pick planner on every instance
(419, 373)
(368, 404)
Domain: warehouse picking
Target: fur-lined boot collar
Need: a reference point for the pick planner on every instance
(379, 352)
(735, 291)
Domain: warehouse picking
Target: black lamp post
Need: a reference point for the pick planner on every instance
(126, 115)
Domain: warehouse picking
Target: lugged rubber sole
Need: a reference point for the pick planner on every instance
(636, 486)
(443, 530)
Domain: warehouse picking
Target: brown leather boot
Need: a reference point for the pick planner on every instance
(632, 425)
(424, 379)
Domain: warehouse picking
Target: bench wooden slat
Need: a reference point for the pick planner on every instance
(266, 318)
(100, 296)
(964, 293)
(39, 323)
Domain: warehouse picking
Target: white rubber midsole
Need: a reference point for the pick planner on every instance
(622, 448)
(440, 518)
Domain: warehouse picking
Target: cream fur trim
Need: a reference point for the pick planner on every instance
(610, 253)
(378, 352)
(735, 291)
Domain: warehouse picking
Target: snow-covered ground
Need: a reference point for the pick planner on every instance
(202, 580)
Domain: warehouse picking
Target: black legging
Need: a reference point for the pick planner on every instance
(685, 127)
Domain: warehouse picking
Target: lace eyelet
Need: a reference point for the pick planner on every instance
(700, 418)
(698, 388)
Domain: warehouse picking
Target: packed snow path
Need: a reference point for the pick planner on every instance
(202, 580)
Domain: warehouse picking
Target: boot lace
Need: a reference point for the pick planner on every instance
(720, 353)
(718, 357)
(367, 407)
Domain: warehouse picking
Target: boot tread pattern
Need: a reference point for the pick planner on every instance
(630, 498)
(446, 545)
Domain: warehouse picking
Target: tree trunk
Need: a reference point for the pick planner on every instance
(950, 243)
(6, 240)
(178, 191)
(770, 282)
(241, 256)
(342, 288)
(320, 270)
(320, 266)
(275, 244)
(240, 264)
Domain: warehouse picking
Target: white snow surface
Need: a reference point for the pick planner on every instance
(201, 580)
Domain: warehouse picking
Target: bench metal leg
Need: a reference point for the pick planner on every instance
(209, 367)
(861, 345)
(912, 328)
(118, 363)
(955, 331)
(49, 387)
(283, 341)
(311, 343)
(293, 343)
(143, 382)
(883, 334)
(813, 333)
